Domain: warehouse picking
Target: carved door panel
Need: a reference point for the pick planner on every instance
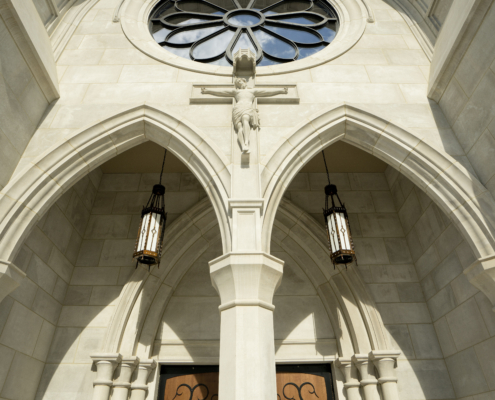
(188, 383)
(304, 382)
(294, 382)
(297, 386)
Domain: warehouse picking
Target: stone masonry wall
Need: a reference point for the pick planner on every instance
(462, 316)
(387, 267)
(468, 102)
(29, 316)
(102, 266)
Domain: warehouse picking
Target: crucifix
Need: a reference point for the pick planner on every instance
(245, 95)
(245, 114)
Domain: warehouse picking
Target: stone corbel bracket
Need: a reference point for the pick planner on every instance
(10, 278)
(244, 62)
(481, 274)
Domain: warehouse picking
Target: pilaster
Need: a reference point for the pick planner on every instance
(139, 388)
(385, 361)
(368, 380)
(105, 367)
(123, 381)
(246, 284)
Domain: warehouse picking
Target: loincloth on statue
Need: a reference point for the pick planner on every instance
(246, 109)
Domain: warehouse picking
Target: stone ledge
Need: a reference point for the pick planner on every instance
(10, 278)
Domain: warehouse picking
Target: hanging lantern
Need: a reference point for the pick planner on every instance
(148, 248)
(337, 225)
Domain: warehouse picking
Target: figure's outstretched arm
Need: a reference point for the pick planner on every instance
(269, 92)
(219, 92)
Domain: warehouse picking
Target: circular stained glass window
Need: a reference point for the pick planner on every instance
(211, 31)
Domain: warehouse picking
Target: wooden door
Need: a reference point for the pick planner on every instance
(294, 382)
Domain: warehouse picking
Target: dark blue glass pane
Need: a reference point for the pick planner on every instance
(214, 46)
(274, 46)
(198, 6)
(268, 61)
(164, 9)
(186, 21)
(261, 4)
(161, 34)
(221, 61)
(300, 19)
(307, 51)
(226, 4)
(291, 6)
(296, 35)
(243, 43)
(193, 35)
(243, 20)
(181, 52)
(328, 31)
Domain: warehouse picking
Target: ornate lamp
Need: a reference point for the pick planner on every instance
(337, 225)
(148, 248)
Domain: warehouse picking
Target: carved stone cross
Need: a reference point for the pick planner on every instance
(245, 96)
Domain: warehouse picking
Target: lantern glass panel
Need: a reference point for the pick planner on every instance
(343, 233)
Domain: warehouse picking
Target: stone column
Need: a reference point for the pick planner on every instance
(368, 379)
(351, 384)
(139, 388)
(384, 361)
(105, 367)
(123, 382)
(246, 284)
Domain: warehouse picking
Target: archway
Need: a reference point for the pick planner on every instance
(33, 191)
(454, 189)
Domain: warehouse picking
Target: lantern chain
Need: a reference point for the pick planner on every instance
(326, 168)
(163, 165)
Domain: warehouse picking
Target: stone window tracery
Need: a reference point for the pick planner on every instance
(277, 31)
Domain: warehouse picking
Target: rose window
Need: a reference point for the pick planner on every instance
(277, 31)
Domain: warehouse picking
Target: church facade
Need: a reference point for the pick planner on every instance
(247, 119)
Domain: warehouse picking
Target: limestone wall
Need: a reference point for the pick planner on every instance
(101, 267)
(468, 101)
(22, 102)
(30, 315)
(462, 316)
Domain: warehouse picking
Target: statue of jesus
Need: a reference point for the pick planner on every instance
(244, 115)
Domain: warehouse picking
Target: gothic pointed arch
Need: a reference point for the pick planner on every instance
(36, 188)
(451, 186)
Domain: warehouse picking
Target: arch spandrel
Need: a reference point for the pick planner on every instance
(36, 188)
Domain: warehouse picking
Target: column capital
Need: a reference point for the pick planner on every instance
(349, 370)
(384, 361)
(110, 357)
(362, 362)
(382, 354)
(246, 279)
(105, 368)
(127, 367)
(140, 385)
